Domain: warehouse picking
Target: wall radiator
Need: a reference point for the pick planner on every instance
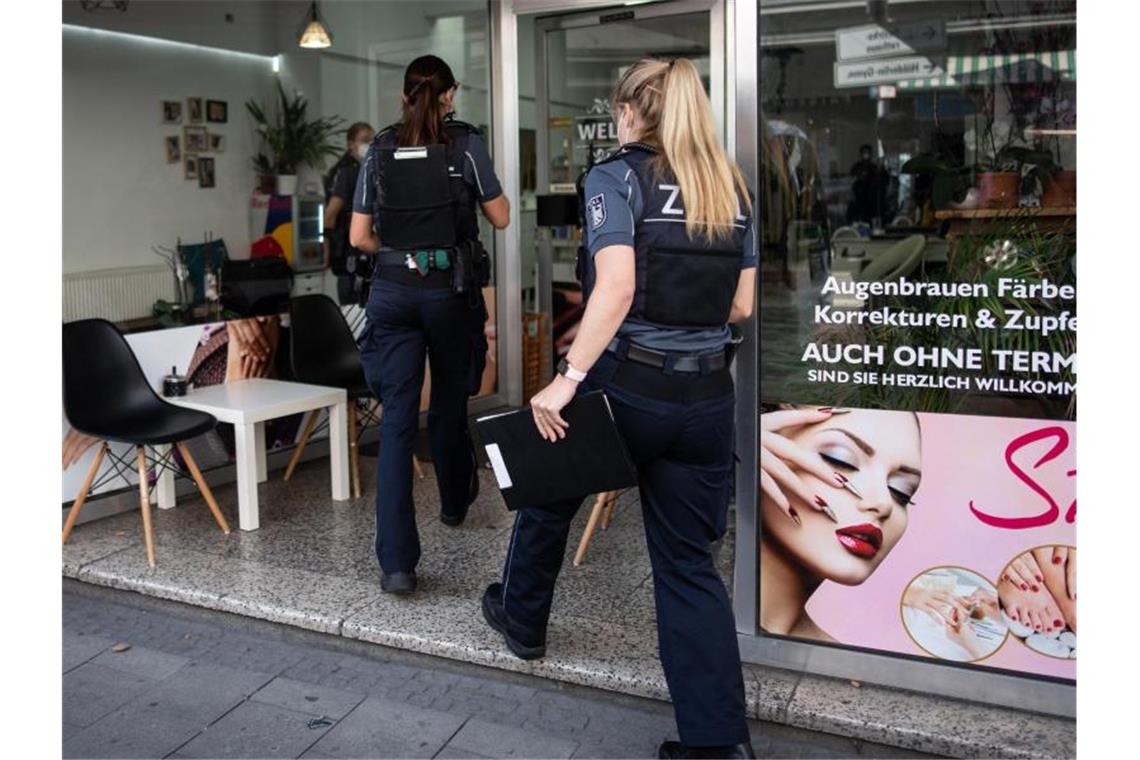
(116, 294)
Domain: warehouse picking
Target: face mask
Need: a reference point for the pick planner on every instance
(362, 151)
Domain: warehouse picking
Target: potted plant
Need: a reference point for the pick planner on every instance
(290, 142)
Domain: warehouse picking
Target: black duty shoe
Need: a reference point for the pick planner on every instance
(679, 750)
(496, 617)
(400, 584)
(453, 521)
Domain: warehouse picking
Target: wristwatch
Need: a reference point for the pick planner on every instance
(567, 370)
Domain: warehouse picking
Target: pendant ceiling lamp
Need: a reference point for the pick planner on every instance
(314, 33)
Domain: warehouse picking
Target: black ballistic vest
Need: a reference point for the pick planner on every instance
(422, 200)
(682, 283)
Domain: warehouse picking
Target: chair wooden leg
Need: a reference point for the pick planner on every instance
(418, 466)
(293, 460)
(353, 450)
(81, 497)
(591, 526)
(144, 505)
(203, 487)
(608, 514)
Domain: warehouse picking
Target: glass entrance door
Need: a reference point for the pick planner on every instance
(580, 57)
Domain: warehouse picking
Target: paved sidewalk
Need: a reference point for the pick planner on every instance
(196, 683)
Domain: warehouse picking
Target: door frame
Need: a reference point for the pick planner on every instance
(505, 142)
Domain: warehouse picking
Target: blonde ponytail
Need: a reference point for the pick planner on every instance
(676, 114)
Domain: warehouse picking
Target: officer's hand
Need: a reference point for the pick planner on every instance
(547, 407)
(778, 455)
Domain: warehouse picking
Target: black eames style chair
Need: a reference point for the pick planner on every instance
(323, 351)
(107, 396)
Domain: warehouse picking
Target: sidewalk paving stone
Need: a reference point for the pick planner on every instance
(493, 740)
(382, 728)
(142, 662)
(256, 730)
(93, 691)
(307, 698)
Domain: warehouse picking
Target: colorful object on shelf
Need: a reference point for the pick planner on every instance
(271, 225)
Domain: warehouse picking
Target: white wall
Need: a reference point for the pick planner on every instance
(120, 196)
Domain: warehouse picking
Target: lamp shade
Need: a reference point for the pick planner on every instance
(314, 34)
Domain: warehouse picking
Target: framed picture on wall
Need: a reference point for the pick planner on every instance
(190, 166)
(217, 143)
(205, 172)
(171, 112)
(173, 151)
(196, 139)
(217, 111)
(194, 110)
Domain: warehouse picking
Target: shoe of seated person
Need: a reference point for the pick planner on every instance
(524, 646)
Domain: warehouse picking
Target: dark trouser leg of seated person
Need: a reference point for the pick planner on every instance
(534, 558)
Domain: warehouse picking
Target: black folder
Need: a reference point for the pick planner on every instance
(533, 472)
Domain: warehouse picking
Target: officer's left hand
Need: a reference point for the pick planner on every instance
(547, 407)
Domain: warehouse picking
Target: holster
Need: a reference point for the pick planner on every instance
(470, 269)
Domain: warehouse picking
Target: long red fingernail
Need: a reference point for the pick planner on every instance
(795, 516)
(841, 478)
(819, 501)
(824, 410)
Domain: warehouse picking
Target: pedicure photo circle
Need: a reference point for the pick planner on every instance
(1038, 594)
(952, 613)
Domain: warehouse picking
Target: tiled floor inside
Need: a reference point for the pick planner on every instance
(311, 564)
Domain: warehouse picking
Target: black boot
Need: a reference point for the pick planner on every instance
(523, 646)
(679, 750)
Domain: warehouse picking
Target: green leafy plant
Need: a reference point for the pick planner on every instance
(289, 141)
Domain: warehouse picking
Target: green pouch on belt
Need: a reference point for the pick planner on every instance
(433, 259)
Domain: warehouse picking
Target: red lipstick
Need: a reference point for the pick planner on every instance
(861, 540)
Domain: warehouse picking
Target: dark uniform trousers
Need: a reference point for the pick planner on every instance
(679, 430)
(405, 323)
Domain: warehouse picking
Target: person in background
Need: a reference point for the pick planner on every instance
(669, 262)
(340, 184)
(414, 311)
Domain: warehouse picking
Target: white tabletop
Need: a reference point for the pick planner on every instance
(243, 402)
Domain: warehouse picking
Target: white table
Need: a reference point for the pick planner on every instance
(247, 405)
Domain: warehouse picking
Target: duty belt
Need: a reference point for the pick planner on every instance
(669, 362)
(421, 261)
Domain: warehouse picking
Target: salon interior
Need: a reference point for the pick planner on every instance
(185, 229)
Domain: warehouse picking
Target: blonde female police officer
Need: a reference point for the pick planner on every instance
(669, 262)
(414, 208)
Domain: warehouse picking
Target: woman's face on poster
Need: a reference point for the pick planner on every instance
(879, 453)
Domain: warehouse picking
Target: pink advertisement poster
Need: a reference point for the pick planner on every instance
(934, 535)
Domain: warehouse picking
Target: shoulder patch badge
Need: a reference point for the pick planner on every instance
(596, 206)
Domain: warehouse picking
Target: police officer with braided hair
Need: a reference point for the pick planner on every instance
(668, 264)
(416, 199)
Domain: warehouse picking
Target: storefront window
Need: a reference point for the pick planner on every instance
(918, 329)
